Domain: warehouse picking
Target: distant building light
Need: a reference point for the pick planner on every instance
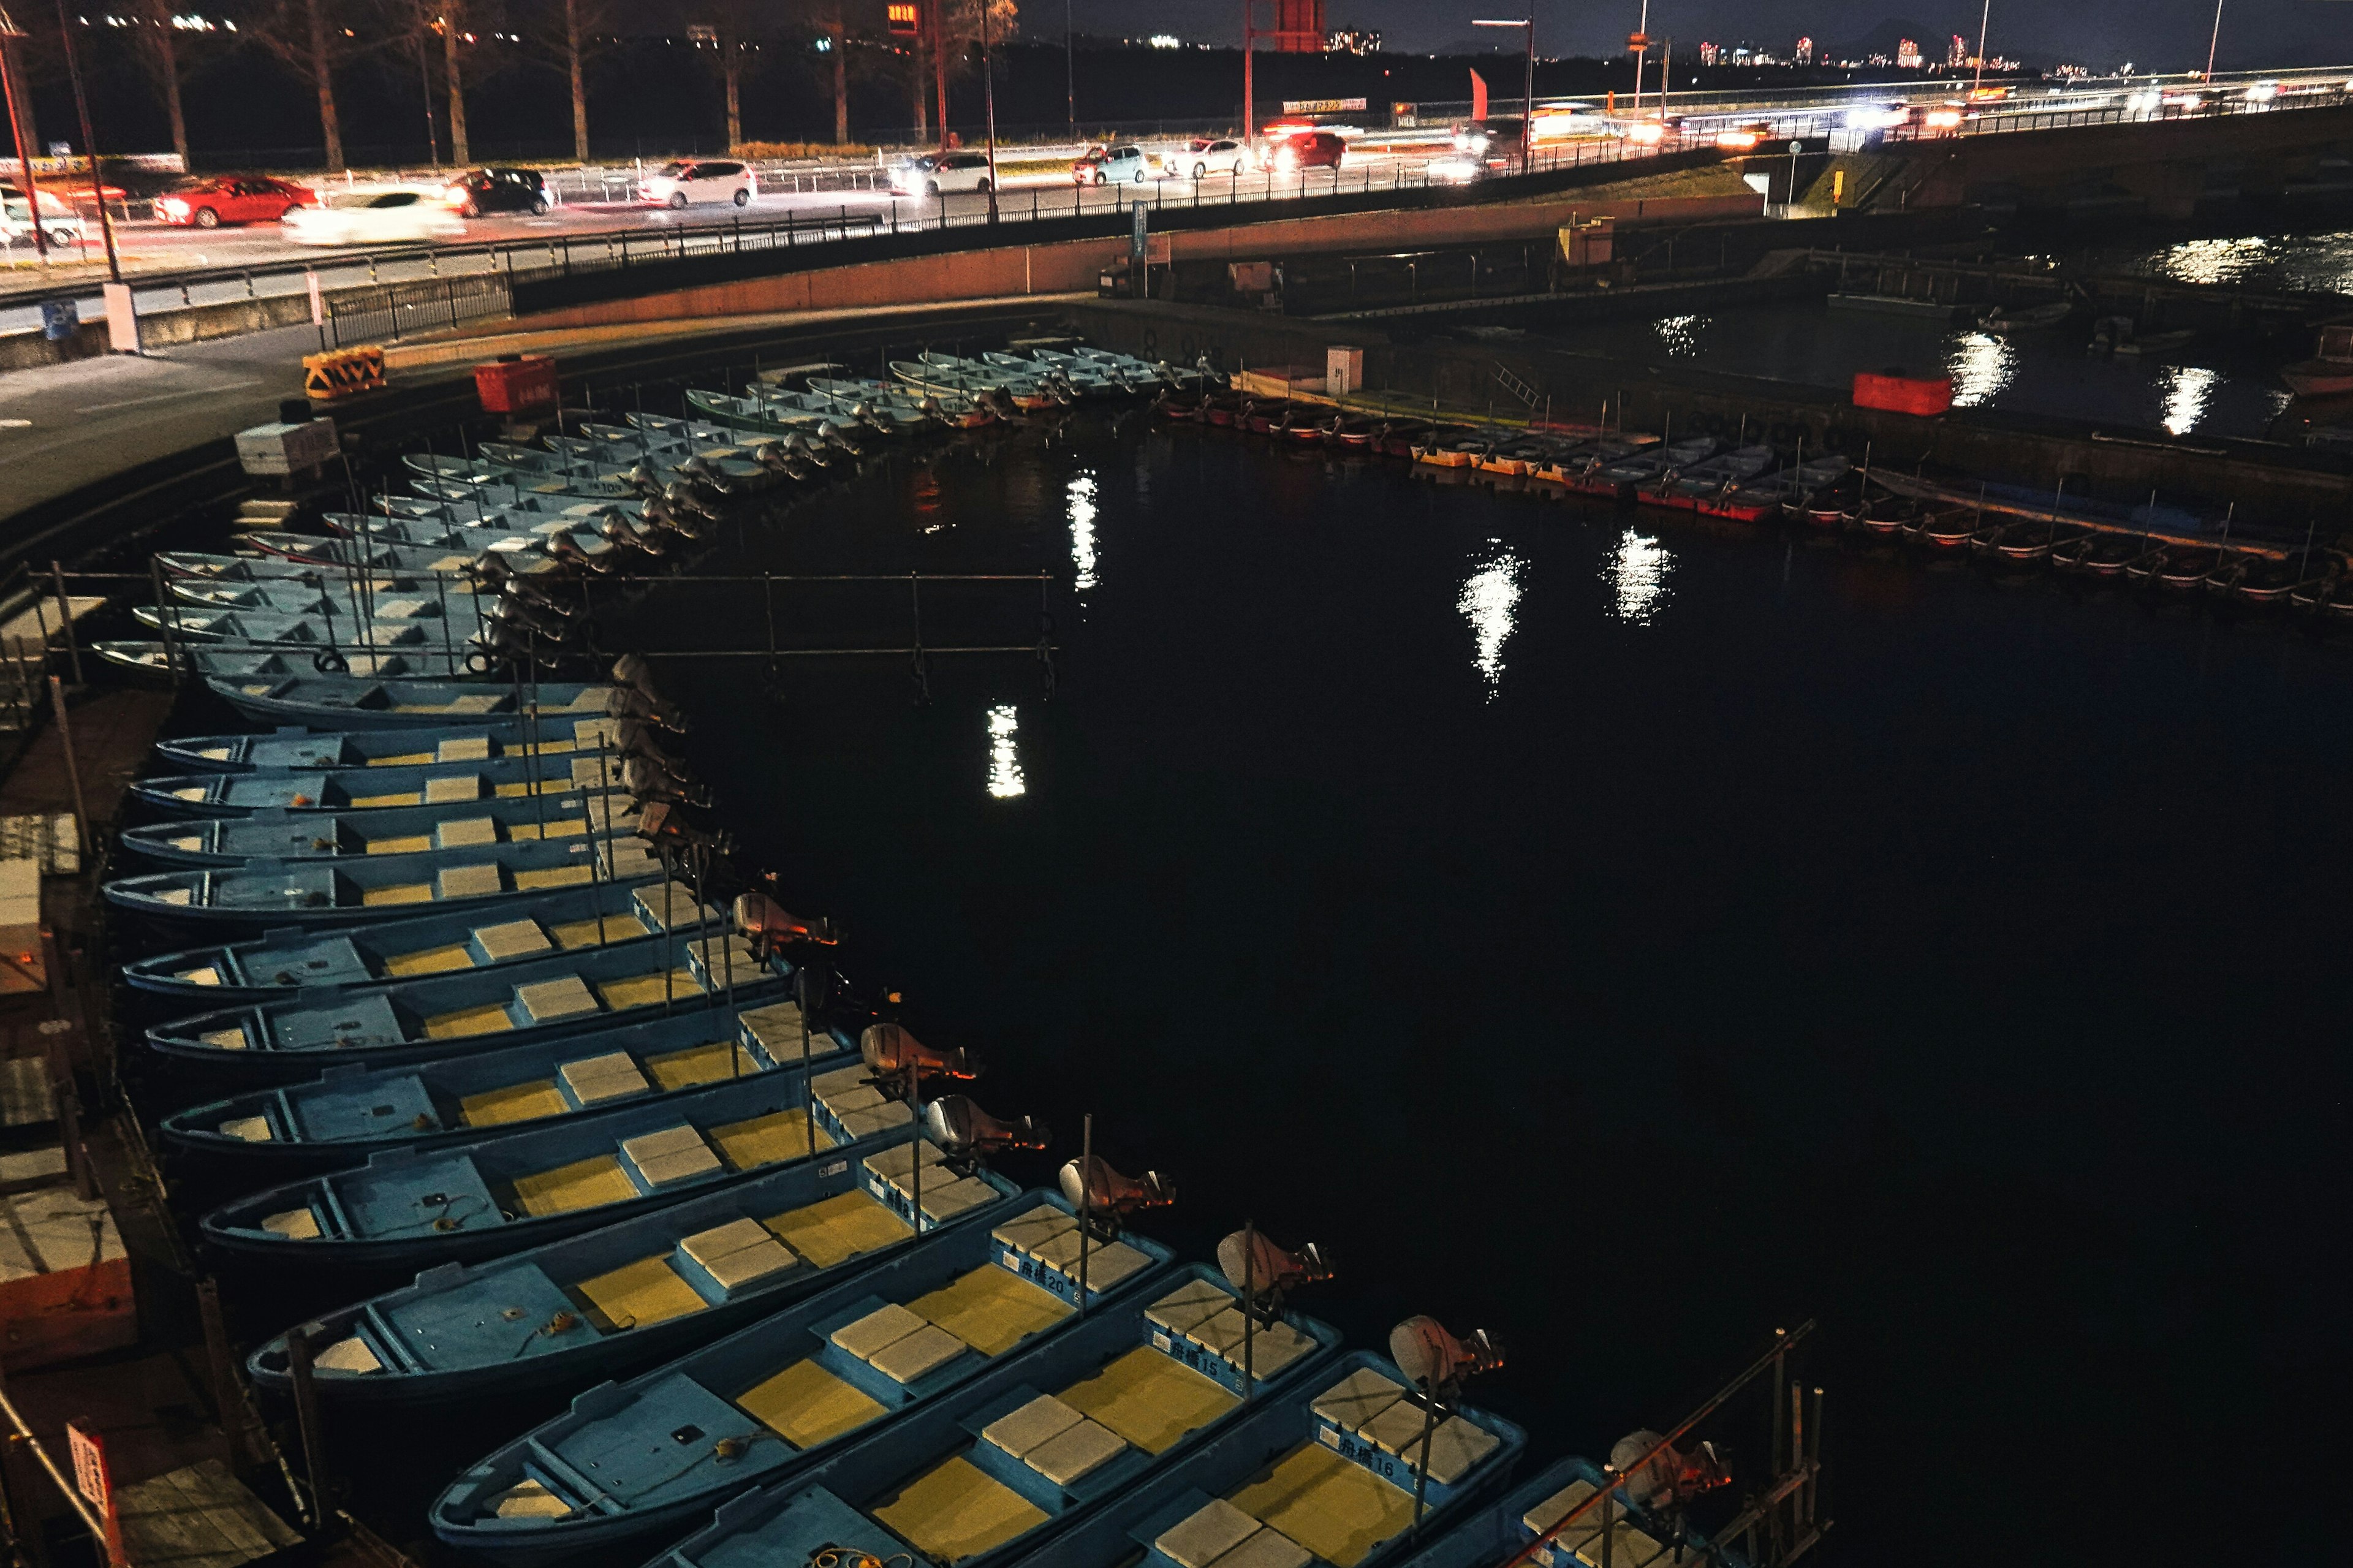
(1353, 41)
(1166, 41)
(1907, 55)
(702, 33)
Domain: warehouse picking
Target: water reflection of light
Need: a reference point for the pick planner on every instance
(2213, 260)
(1082, 529)
(1005, 779)
(2188, 390)
(1981, 366)
(1638, 571)
(1681, 335)
(1486, 602)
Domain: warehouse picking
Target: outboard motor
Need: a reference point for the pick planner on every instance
(563, 547)
(930, 406)
(891, 1052)
(708, 473)
(961, 1128)
(1258, 1268)
(1672, 1478)
(650, 783)
(680, 497)
(636, 741)
(1436, 1362)
(1095, 1188)
(664, 826)
(636, 671)
(1209, 373)
(627, 702)
(770, 926)
(800, 447)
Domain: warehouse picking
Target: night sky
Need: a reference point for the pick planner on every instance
(2169, 34)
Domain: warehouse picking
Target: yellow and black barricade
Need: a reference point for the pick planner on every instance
(344, 373)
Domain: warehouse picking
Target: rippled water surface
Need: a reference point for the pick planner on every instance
(1630, 938)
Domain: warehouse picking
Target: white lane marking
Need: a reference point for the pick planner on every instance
(166, 397)
(16, 424)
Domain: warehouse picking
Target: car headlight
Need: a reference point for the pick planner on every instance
(454, 196)
(174, 207)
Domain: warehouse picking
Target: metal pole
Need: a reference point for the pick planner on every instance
(1069, 75)
(1421, 1471)
(1086, 1200)
(915, 1174)
(16, 132)
(988, 107)
(1249, 1301)
(162, 607)
(65, 615)
(89, 146)
(73, 771)
(1527, 105)
(2214, 42)
(1985, 13)
(306, 1418)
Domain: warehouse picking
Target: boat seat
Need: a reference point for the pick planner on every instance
(582, 1184)
(1064, 1459)
(673, 1154)
(462, 835)
(877, 1118)
(991, 1308)
(593, 932)
(624, 858)
(1398, 1429)
(845, 1091)
(701, 1064)
(528, 1499)
(470, 882)
(943, 1201)
(553, 827)
(778, 1026)
(953, 1512)
(897, 1164)
(463, 748)
(398, 609)
(378, 801)
(548, 1001)
(1042, 1419)
(1456, 1446)
(1206, 1534)
(686, 912)
(226, 1039)
(294, 1225)
(805, 1404)
(453, 788)
(250, 1129)
(597, 1080)
(1149, 1398)
(398, 893)
(1024, 1233)
(596, 772)
(926, 1349)
(628, 991)
(1552, 1509)
(838, 1228)
(349, 1355)
(1267, 1547)
(876, 1331)
(1337, 1510)
(554, 877)
(737, 1253)
(641, 1294)
(767, 1140)
(515, 1103)
(1272, 1347)
(489, 1018)
(403, 843)
(1190, 1305)
(1108, 1262)
(511, 939)
(445, 960)
(1356, 1398)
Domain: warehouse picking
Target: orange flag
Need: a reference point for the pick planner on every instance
(1478, 96)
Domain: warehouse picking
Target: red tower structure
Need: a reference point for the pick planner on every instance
(1298, 26)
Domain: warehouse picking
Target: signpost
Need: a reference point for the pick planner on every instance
(96, 1484)
(1136, 240)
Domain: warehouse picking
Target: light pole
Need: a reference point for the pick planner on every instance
(989, 108)
(2214, 41)
(9, 31)
(89, 144)
(1070, 69)
(1642, 42)
(1985, 14)
(1528, 86)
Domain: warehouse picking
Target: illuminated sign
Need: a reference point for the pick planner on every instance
(1323, 105)
(904, 18)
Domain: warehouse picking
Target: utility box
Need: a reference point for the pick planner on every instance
(1589, 242)
(1344, 371)
(516, 384)
(283, 449)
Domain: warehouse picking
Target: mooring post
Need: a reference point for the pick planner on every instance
(1249, 1301)
(1086, 1201)
(229, 1395)
(87, 860)
(163, 620)
(306, 1418)
(1421, 1471)
(915, 1147)
(65, 616)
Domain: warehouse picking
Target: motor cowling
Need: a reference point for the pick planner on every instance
(628, 702)
(1253, 1264)
(1093, 1187)
(960, 1127)
(662, 825)
(1434, 1360)
(770, 925)
(1672, 1478)
(648, 783)
(889, 1051)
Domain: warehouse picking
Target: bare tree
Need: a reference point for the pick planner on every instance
(452, 24)
(838, 45)
(731, 24)
(158, 53)
(568, 34)
(300, 34)
(956, 39)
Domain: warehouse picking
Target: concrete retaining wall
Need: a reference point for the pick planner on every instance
(159, 328)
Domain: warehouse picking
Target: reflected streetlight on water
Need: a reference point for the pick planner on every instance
(1487, 601)
(1082, 498)
(1638, 573)
(1005, 777)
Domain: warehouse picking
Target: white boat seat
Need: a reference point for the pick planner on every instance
(594, 772)
(1025, 1233)
(928, 1349)
(225, 1039)
(1273, 1346)
(1553, 1509)
(673, 1154)
(294, 1225)
(1188, 1306)
(738, 1253)
(950, 1199)
(1064, 1459)
(1398, 1430)
(350, 1355)
(893, 1164)
(1455, 1447)
(876, 1331)
(511, 939)
(876, 1118)
(1267, 1548)
(462, 835)
(1357, 1398)
(593, 1080)
(470, 882)
(398, 609)
(778, 1026)
(463, 748)
(1206, 1534)
(529, 1499)
(629, 859)
(251, 1129)
(685, 912)
(1042, 1419)
(453, 788)
(545, 1001)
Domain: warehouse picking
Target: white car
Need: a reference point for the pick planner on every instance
(1203, 156)
(58, 223)
(373, 217)
(935, 173)
(700, 180)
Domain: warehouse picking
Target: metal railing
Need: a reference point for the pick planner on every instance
(394, 311)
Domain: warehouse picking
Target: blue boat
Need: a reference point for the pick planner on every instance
(1325, 1473)
(1503, 1529)
(271, 894)
(410, 1209)
(490, 478)
(289, 695)
(625, 1295)
(274, 832)
(589, 539)
(456, 1014)
(1121, 1409)
(351, 1110)
(396, 599)
(955, 1317)
(307, 558)
(596, 918)
(244, 663)
(292, 746)
(318, 792)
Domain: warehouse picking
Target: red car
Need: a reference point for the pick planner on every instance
(1308, 150)
(233, 198)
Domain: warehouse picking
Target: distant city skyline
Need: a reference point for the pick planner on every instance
(2160, 35)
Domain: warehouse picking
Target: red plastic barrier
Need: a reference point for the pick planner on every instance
(1902, 394)
(516, 384)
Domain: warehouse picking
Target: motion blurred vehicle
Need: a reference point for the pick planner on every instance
(1120, 165)
(480, 191)
(1743, 138)
(1650, 132)
(395, 216)
(1204, 156)
(232, 198)
(678, 183)
(1484, 138)
(2263, 91)
(1308, 150)
(937, 173)
(59, 226)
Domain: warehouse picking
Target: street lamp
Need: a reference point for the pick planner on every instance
(2214, 42)
(9, 33)
(1985, 14)
(989, 105)
(1528, 98)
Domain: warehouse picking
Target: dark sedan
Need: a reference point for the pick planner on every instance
(480, 191)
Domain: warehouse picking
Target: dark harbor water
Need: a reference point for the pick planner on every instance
(1629, 939)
